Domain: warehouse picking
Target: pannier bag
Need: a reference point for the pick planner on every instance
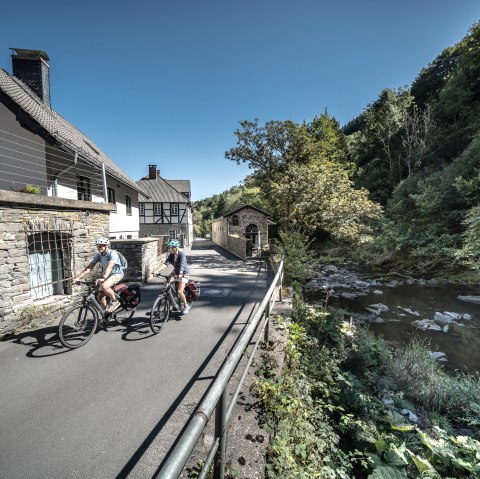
(129, 295)
(192, 291)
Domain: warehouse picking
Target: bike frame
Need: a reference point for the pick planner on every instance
(91, 299)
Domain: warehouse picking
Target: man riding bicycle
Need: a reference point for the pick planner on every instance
(178, 259)
(112, 273)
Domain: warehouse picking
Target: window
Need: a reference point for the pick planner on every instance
(157, 209)
(173, 209)
(173, 233)
(128, 203)
(141, 209)
(235, 220)
(111, 195)
(83, 188)
(48, 263)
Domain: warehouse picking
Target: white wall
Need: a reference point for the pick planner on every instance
(122, 224)
(22, 155)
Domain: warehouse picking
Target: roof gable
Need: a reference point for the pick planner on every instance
(236, 210)
(59, 128)
(160, 190)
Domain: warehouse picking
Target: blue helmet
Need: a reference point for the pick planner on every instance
(175, 243)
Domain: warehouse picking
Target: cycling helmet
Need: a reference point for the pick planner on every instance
(175, 243)
(102, 240)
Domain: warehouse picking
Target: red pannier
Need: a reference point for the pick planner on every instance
(192, 291)
(129, 295)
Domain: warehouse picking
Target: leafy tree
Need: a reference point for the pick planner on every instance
(305, 176)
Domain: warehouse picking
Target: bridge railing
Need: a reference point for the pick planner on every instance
(216, 398)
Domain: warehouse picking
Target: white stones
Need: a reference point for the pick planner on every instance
(409, 415)
(470, 299)
(377, 308)
(438, 355)
(409, 311)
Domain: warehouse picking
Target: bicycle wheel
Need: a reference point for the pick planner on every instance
(159, 314)
(77, 326)
(122, 315)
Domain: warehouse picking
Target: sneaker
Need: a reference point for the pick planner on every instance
(186, 309)
(113, 306)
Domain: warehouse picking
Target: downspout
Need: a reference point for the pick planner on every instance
(55, 181)
(104, 180)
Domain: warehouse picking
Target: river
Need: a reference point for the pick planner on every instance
(408, 304)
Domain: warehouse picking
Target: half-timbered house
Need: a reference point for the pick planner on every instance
(167, 211)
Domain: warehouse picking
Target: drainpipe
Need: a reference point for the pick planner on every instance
(55, 181)
(104, 180)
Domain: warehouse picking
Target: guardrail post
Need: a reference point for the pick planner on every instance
(280, 292)
(267, 322)
(220, 432)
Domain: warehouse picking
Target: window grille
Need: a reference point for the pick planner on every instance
(49, 249)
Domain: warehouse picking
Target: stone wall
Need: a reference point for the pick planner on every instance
(219, 232)
(21, 216)
(237, 246)
(144, 256)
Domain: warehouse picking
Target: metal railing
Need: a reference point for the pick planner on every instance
(216, 397)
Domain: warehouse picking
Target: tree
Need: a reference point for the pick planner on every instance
(305, 176)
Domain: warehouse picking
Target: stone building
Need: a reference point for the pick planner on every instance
(243, 231)
(43, 242)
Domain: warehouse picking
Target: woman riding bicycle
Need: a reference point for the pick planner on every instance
(178, 259)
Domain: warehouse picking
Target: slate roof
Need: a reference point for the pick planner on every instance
(180, 185)
(236, 210)
(160, 191)
(59, 128)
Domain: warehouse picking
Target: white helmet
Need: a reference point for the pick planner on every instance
(102, 240)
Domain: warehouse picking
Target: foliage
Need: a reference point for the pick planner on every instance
(417, 152)
(305, 174)
(32, 189)
(299, 259)
(326, 419)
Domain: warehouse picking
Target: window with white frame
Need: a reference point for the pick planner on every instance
(141, 209)
(174, 209)
(173, 233)
(157, 209)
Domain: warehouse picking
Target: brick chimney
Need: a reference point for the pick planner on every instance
(31, 67)
(153, 173)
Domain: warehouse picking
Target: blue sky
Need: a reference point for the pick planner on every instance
(166, 83)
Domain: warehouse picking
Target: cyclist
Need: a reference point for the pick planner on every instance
(112, 273)
(178, 259)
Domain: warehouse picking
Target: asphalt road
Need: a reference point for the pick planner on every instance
(114, 407)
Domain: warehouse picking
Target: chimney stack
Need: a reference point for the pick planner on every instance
(31, 67)
(153, 172)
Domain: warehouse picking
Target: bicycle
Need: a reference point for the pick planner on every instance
(80, 321)
(167, 301)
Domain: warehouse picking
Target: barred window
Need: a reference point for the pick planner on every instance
(49, 263)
